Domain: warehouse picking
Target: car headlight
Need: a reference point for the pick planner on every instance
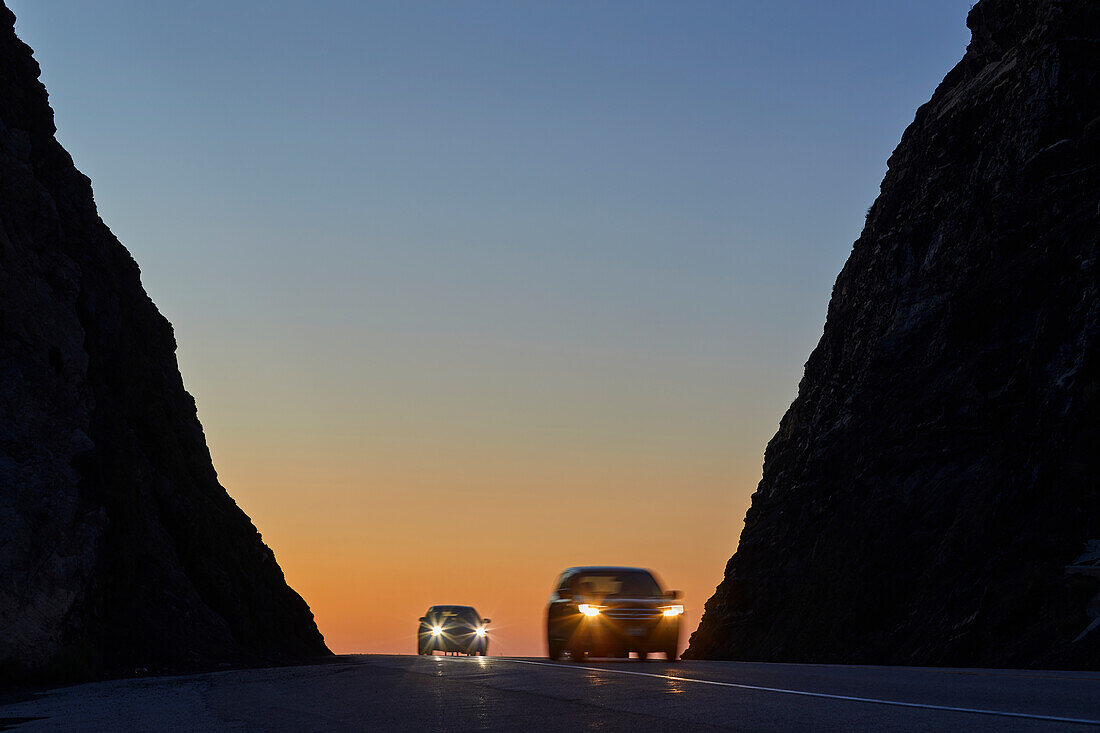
(588, 609)
(437, 630)
(480, 631)
(674, 610)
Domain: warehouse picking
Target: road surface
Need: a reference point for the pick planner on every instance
(374, 692)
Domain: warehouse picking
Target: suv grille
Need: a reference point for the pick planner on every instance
(632, 613)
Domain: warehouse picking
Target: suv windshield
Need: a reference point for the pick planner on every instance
(461, 613)
(627, 584)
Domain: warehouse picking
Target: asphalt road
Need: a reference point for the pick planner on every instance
(503, 693)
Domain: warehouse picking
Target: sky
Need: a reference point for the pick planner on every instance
(469, 293)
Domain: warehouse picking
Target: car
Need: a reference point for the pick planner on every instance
(611, 611)
(453, 629)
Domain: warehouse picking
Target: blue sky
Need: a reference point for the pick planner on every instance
(654, 174)
(586, 236)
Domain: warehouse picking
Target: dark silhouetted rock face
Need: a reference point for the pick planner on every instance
(118, 547)
(939, 468)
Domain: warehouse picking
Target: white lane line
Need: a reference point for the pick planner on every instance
(804, 693)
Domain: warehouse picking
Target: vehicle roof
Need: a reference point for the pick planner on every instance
(606, 569)
(452, 606)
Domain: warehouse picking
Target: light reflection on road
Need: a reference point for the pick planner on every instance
(674, 686)
(595, 679)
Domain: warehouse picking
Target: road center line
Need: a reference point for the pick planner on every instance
(804, 693)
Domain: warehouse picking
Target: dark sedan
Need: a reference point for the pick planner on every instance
(452, 629)
(610, 612)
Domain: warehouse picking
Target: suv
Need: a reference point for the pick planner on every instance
(452, 629)
(611, 611)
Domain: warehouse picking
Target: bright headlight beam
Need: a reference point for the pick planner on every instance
(674, 610)
(437, 630)
(588, 610)
(479, 631)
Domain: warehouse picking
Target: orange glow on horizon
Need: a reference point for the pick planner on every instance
(370, 560)
(387, 484)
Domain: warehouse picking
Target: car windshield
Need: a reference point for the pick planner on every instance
(627, 584)
(459, 613)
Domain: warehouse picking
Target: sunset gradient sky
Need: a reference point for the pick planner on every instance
(470, 292)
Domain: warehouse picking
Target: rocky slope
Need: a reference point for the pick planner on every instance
(118, 547)
(933, 493)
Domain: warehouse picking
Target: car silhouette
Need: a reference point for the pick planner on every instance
(611, 611)
(452, 629)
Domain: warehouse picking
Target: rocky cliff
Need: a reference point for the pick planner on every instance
(932, 494)
(118, 547)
